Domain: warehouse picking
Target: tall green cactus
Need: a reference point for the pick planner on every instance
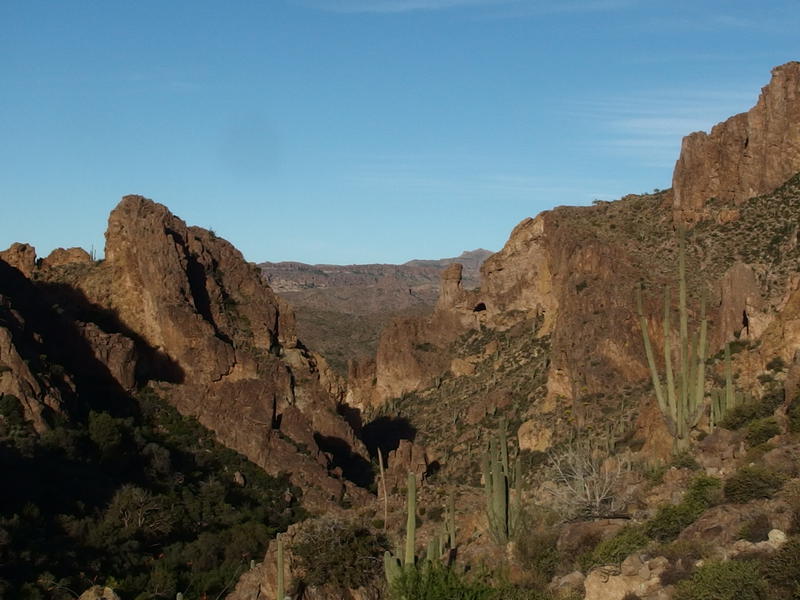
(450, 523)
(723, 400)
(280, 586)
(502, 502)
(681, 404)
(391, 564)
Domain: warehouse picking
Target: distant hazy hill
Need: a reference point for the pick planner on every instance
(331, 300)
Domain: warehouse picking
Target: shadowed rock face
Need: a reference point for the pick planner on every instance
(180, 308)
(748, 155)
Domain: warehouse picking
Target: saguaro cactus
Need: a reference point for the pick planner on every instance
(280, 586)
(502, 502)
(450, 523)
(391, 564)
(681, 404)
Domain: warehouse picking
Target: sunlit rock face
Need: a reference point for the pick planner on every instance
(748, 155)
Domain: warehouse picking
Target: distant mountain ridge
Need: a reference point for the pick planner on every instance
(342, 308)
(291, 276)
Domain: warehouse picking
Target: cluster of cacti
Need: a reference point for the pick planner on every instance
(681, 401)
(392, 564)
(437, 546)
(727, 398)
(502, 495)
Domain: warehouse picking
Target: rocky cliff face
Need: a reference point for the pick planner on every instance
(748, 155)
(570, 275)
(178, 307)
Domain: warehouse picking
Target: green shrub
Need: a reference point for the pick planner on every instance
(437, 583)
(616, 549)
(776, 364)
(536, 553)
(752, 482)
(782, 570)
(704, 490)
(761, 430)
(338, 552)
(756, 529)
(685, 460)
(670, 520)
(692, 550)
(731, 580)
(11, 410)
(793, 413)
(751, 410)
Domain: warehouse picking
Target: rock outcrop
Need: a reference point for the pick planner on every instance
(748, 155)
(180, 308)
(20, 256)
(68, 256)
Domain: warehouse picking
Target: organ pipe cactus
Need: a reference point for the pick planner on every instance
(682, 401)
(391, 564)
(723, 400)
(502, 502)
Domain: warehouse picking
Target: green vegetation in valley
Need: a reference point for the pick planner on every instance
(146, 504)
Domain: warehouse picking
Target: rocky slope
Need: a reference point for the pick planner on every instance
(179, 309)
(341, 309)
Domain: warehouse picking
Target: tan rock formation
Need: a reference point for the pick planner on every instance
(749, 154)
(98, 592)
(61, 256)
(20, 256)
(610, 583)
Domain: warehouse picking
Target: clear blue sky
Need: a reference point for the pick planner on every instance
(360, 130)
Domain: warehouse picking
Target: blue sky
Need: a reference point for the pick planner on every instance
(360, 130)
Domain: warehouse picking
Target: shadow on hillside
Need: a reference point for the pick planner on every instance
(385, 433)
(53, 345)
(152, 364)
(354, 467)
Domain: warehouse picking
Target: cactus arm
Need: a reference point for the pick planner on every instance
(729, 393)
(451, 522)
(391, 567)
(385, 495)
(700, 376)
(411, 522)
(672, 404)
(684, 325)
(648, 349)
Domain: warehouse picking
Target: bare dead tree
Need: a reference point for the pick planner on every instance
(585, 479)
